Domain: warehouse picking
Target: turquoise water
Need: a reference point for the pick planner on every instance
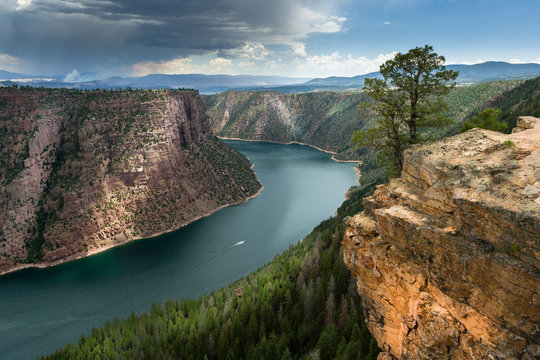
(43, 309)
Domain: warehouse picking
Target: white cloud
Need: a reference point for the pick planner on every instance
(465, 62)
(23, 4)
(338, 65)
(246, 64)
(328, 27)
(175, 66)
(387, 23)
(299, 49)
(122, 33)
(250, 52)
(74, 76)
(219, 64)
(274, 65)
(189, 65)
(9, 63)
(516, 61)
(308, 21)
(309, 15)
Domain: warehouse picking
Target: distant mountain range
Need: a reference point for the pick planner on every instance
(206, 84)
(468, 74)
(7, 75)
(210, 84)
(495, 70)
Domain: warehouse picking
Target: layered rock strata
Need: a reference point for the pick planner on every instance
(83, 171)
(447, 257)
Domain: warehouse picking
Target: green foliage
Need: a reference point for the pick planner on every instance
(486, 119)
(303, 302)
(323, 119)
(512, 250)
(35, 243)
(408, 99)
(327, 119)
(466, 101)
(421, 76)
(523, 100)
(509, 143)
(389, 138)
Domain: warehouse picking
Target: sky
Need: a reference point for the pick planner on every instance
(87, 39)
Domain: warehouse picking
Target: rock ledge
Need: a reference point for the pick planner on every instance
(447, 257)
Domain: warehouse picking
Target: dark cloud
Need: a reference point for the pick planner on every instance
(65, 34)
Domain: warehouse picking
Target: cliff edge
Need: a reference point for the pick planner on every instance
(447, 257)
(82, 171)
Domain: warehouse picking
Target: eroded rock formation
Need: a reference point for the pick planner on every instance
(447, 257)
(83, 171)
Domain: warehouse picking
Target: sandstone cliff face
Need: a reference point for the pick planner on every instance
(447, 257)
(83, 171)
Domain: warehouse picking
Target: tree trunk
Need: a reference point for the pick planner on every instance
(412, 130)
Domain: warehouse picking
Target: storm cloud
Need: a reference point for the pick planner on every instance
(57, 36)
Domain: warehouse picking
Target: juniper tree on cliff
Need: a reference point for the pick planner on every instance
(406, 101)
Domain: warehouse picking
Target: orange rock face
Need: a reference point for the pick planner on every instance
(447, 257)
(83, 171)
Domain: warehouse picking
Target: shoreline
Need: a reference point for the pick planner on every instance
(293, 142)
(358, 174)
(356, 169)
(78, 256)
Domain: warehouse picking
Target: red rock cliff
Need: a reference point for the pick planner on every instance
(447, 257)
(83, 171)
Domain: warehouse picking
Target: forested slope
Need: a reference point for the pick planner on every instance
(523, 100)
(302, 305)
(323, 119)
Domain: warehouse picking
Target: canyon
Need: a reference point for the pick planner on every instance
(325, 120)
(447, 257)
(82, 171)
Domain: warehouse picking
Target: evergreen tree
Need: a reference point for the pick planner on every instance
(486, 119)
(277, 316)
(407, 99)
(421, 76)
(330, 309)
(328, 343)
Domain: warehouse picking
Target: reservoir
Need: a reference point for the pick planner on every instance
(44, 309)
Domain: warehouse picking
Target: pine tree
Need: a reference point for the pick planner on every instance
(486, 119)
(407, 99)
(330, 309)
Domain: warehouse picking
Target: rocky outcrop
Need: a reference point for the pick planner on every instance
(447, 257)
(84, 171)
